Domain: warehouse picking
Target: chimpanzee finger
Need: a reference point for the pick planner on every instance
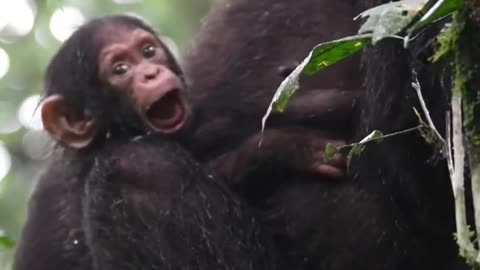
(339, 161)
(334, 168)
(330, 171)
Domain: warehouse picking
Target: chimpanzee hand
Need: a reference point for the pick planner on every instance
(277, 149)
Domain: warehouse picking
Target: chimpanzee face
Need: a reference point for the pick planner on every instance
(135, 63)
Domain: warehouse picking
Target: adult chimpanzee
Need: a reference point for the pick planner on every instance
(243, 52)
(123, 194)
(391, 215)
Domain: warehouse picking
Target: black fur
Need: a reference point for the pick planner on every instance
(216, 230)
(397, 210)
(243, 52)
(407, 177)
(129, 202)
(149, 205)
(53, 237)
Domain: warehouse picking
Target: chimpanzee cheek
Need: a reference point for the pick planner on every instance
(122, 83)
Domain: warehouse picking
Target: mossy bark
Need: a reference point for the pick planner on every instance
(467, 84)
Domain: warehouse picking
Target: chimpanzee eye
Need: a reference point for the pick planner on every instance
(120, 69)
(148, 51)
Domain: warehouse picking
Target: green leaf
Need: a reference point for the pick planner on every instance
(356, 150)
(330, 151)
(6, 242)
(285, 91)
(280, 104)
(389, 19)
(434, 10)
(447, 40)
(322, 56)
(329, 53)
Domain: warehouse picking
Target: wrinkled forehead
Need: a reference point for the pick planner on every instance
(112, 34)
(118, 40)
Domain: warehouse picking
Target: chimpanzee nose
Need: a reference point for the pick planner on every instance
(151, 72)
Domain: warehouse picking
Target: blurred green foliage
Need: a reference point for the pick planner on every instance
(29, 53)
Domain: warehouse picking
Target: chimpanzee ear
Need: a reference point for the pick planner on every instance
(65, 126)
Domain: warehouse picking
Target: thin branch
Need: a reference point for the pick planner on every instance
(474, 165)
(382, 137)
(463, 233)
(475, 173)
(416, 86)
(449, 144)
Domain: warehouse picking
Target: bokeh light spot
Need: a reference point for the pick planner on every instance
(42, 35)
(65, 21)
(17, 17)
(8, 117)
(126, 2)
(4, 63)
(29, 113)
(5, 161)
(36, 144)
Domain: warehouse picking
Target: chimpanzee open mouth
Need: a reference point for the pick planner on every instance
(167, 114)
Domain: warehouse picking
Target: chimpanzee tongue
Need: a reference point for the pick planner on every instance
(167, 112)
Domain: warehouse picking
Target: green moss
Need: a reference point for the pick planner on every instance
(462, 76)
(447, 40)
(467, 75)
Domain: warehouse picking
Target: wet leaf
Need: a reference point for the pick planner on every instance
(285, 91)
(389, 19)
(329, 53)
(322, 56)
(356, 150)
(435, 10)
(330, 152)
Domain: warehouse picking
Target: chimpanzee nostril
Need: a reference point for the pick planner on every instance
(151, 73)
(149, 76)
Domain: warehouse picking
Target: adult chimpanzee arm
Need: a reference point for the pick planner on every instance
(280, 149)
(148, 205)
(222, 130)
(330, 108)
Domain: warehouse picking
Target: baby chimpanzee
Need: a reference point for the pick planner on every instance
(125, 193)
